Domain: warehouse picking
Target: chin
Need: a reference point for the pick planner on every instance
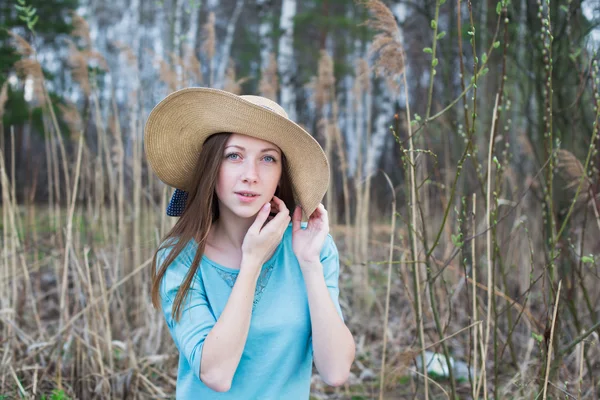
(245, 212)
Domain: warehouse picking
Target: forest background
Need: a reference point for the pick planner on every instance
(464, 198)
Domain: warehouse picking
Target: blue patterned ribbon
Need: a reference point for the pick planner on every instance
(177, 204)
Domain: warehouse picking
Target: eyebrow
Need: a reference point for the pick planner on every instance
(262, 151)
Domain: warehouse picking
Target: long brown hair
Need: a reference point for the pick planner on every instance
(201, 211)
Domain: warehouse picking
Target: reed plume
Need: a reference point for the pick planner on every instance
(81, 30)
(29, 67)
(3, 98)
(269, 83)
(79, 66)
(72, 118)
(232, 84)
(193, 67)
(209, 43)
(325, 81)
(387, 44)
(572, 171)
(130, 56)
(166, 74)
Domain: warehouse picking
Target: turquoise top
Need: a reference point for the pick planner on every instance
(277, 359)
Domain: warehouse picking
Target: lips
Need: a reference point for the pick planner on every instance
(248, 194)
(247, 197)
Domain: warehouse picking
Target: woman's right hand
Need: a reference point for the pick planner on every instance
(262, 239)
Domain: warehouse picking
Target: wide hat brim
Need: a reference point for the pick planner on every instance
(178, 126)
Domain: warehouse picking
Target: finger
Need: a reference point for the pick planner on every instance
(319, 216)
(277, 224)
(280, 204)
(281, 220)
(296, 218)
(322, 212)
(261, 217)
(324, 215)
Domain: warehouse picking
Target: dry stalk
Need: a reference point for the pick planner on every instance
(474, 305)
(389, 285)
(388, 45)
(339, 140)
(119, 159)
(9, 187)
(5, 301)
(10, 253)
(19, 385)
(322, 87)
(12, 186)
(427, 378)
(361, 85)
(136, 166)
(104, 149)
(596, 213)
(12, 215)
(69, 232)
(105, 312)
(29, 66)
(580, 380)
(549, 355)
(97, 317)
(365, 193)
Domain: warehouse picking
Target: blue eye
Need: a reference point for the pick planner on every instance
(270, 159)
(229, 156)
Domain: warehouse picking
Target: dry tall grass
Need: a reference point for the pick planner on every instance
(76, 318)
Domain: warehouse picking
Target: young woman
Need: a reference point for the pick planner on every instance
(249, 292)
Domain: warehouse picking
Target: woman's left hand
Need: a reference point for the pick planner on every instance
(307, 243)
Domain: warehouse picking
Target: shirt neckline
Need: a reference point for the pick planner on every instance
(236, 271)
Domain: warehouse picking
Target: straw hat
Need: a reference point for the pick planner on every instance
(178, 126)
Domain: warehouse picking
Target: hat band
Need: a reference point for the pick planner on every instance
(176, 206)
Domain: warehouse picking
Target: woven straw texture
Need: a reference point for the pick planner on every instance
(178, 126)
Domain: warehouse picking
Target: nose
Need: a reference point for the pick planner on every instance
(250, 174)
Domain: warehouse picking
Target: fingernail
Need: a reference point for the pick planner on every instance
(267, 206)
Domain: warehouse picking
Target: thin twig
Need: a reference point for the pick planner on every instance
(489, 245)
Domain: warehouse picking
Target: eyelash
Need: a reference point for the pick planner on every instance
(236, 154)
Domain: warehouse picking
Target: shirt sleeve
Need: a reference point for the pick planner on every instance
(197, 318)
(331, 269)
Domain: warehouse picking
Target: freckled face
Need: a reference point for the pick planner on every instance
(249, 174)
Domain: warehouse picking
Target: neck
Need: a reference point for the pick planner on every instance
(229, 230)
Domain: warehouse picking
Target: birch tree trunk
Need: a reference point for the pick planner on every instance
(192, 33)
(178, 64)
(356, 120)
(211, 5)
(177, 28)
(285, 59)
(386, 101)
(156, 38)
(264, 32)
(226, 48)
(348, 121)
